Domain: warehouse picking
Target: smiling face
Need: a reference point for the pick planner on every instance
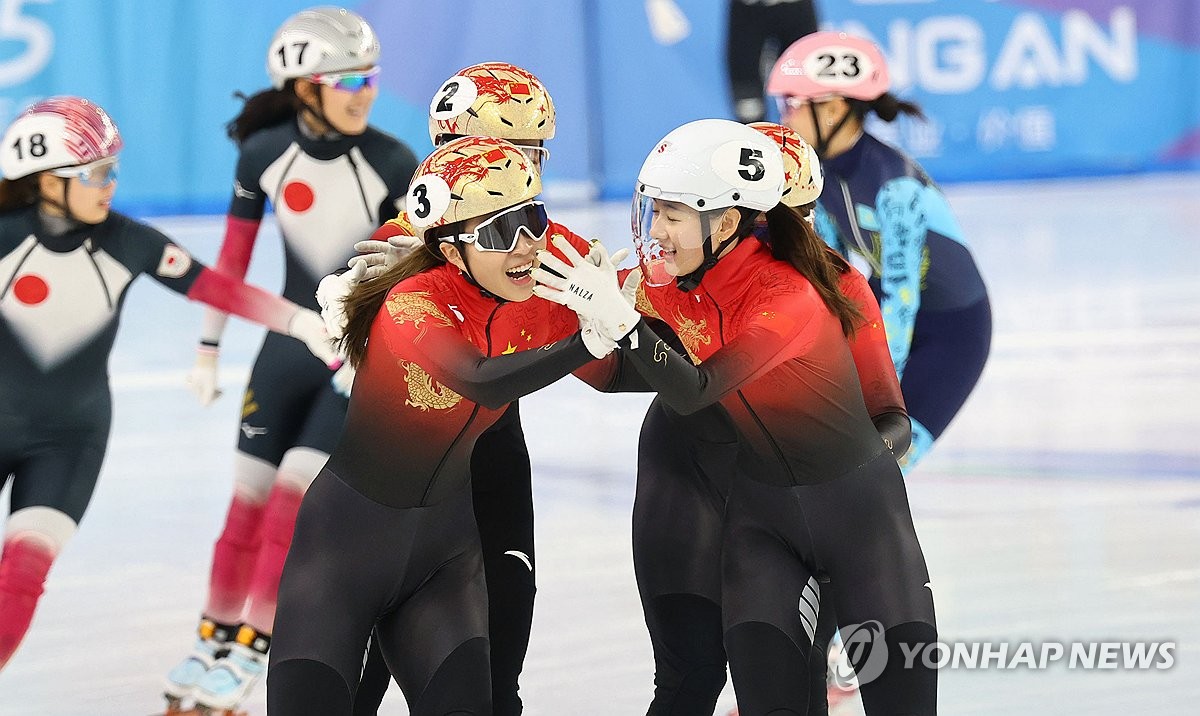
(88, 204)
(346, 111)
(505, 275)
(679, 231)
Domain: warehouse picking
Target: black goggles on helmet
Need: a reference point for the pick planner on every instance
(502, 231)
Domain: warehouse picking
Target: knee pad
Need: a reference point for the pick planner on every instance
(769, 669)
(302, 687)
(460, 686)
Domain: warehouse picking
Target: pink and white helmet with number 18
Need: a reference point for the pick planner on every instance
(830, 64)
(57, 132)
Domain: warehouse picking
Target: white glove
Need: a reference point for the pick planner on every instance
(343, 380)
(599, 345)
(589, 290)
(202, 380)
(379, 256)
(308, 327)
(331, 297)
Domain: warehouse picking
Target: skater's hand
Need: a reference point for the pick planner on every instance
(587, 286)
(596, 343)
(307, 327)
(379, 256)
(202, 380)
(331, 297)
(343, 380)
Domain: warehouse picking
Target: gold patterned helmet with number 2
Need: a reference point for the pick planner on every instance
(492, 99)
(469, 177)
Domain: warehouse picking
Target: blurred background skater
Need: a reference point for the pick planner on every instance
(757, 32)
(883, 212)
(66, 264)
(306, 146)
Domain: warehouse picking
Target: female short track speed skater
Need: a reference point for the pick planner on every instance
(66, 262)
(386, 540)
(815, 492)
(881, 208)
(503, 101)
(305, 146)
(686, 465)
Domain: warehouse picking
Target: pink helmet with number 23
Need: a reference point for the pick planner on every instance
(830, 64)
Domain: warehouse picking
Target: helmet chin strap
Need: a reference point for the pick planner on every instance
(318, 111)
(688, 282)
(823, 140)
(65, 205)
(466, 274)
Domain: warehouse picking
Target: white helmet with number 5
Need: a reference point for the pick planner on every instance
(714, 164)
(320, 40)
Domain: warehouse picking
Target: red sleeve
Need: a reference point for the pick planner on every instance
(399, 226)
(232, 296)
(767, 340)
(869, 346)
(237, 247)
(416, 327)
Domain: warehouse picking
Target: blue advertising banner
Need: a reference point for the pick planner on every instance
(1012, 88)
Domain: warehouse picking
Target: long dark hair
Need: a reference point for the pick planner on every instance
(794, 240)
(267, 108)
(887, 107)
(19, 193)
(366, 298)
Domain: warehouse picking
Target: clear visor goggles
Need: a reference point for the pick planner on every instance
(97, 174)
(351, 81)
(661, 228)
(502, 231)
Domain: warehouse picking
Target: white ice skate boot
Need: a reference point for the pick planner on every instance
(212, 642)
(231, 679)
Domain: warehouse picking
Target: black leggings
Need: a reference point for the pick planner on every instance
(858, 530)
(755, 30)
(53, 466)
(685, 468)
(503, 499)
(414, 575)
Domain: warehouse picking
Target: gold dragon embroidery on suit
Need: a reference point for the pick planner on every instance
(416, 308)
(642, 304)
(425, 393)
(692, 333)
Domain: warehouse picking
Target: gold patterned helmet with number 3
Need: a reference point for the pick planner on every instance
(492, 99)
(469, 177)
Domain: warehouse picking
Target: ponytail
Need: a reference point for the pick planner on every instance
(267, 108)
(19, 193)
(887, 107)
(366, 298)
(794, 240)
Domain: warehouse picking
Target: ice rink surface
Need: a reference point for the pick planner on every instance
(1062, 505)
